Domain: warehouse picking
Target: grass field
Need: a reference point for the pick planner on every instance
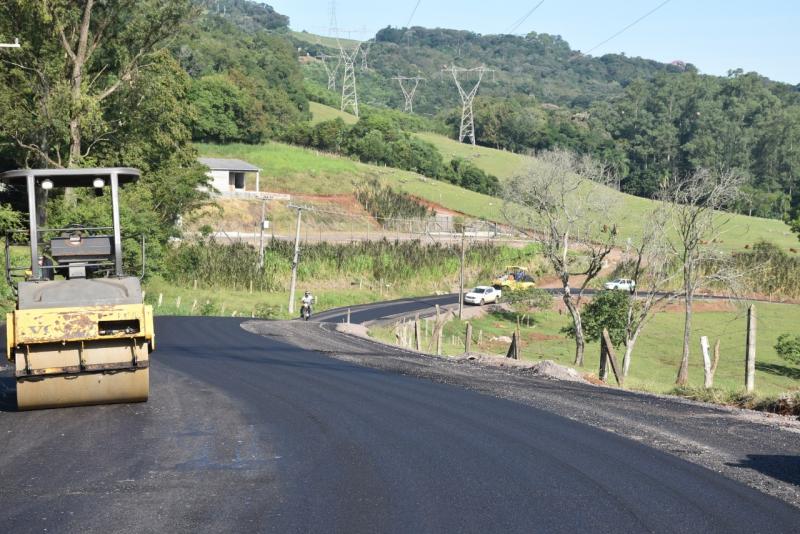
(630, 211)
(302, 171)
(321, 113)
(330, 42)
(657, 354)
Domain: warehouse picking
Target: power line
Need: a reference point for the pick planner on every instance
(413, 12)
(521, 21)
(629, 26)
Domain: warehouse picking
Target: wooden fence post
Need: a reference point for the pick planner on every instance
(602, 373)
(612, 357)
(750, 359)
(160, 299)
(708, 382)
(178, 302)
(417, 336)
(439, 328)
(513, 352)
(468, 339)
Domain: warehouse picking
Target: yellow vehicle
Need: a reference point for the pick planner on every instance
(514, 278)
(81, 333)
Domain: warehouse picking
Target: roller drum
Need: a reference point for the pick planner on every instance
(83, 389)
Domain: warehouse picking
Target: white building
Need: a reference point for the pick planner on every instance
(228, 175)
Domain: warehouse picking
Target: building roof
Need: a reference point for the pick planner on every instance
(72, 177)
(224, 164)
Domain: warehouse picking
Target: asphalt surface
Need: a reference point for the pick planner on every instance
(249, 433)
(425, 305)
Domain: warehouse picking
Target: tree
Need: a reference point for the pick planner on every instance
(607, 310)
(560, 204)
(78, 55)
(647, 261)
(695, 202)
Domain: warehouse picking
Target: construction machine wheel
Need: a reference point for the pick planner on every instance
(83, 389)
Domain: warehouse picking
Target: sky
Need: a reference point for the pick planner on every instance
(714, 35)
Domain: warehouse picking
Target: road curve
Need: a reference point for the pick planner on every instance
(247, 433)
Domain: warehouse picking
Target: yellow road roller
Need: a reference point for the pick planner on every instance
(81, 333)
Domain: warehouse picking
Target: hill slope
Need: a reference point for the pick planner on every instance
(293, 168)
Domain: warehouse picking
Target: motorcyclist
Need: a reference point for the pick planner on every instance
(307, 300)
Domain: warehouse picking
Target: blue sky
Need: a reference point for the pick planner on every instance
(715, 35)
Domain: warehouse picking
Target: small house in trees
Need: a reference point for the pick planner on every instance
(231, 176)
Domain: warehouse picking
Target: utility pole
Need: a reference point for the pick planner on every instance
(467, 129)
(461, 277)
(261, 235)
(349, 93)
(331, 72)
(296, 258)
(408, 93)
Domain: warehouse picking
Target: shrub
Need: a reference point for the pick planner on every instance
(608, 309)
(788, 348)
(533, 297)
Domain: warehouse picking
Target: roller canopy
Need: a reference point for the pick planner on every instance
(71, 177)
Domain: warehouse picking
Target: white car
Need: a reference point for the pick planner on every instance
(483, 295)
(625, 284)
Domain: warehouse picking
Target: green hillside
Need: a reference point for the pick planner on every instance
(321, 112)
(321, 40)
(630, 210)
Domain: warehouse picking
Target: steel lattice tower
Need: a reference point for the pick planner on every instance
(332, 72)
(349, 93)
(408, 93)
(467, 129)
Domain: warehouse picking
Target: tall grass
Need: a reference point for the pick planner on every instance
(384, 203)
(769, 270)
(213, 264)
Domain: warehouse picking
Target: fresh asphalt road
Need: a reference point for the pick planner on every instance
(245, 433)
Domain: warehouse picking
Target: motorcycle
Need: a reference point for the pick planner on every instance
(305, 312)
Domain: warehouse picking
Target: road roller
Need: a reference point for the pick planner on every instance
(80, 333)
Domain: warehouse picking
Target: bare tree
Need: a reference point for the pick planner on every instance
(648, 261)
(696, 224)
(562, 203)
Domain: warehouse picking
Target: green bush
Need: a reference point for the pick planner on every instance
(533, 297)
(608, 309)
(788, 348)
(208, 308)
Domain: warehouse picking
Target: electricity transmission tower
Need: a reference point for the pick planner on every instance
(332, 72)
(408, 92)
(349, 93)
(364, 54)
(467, 129)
